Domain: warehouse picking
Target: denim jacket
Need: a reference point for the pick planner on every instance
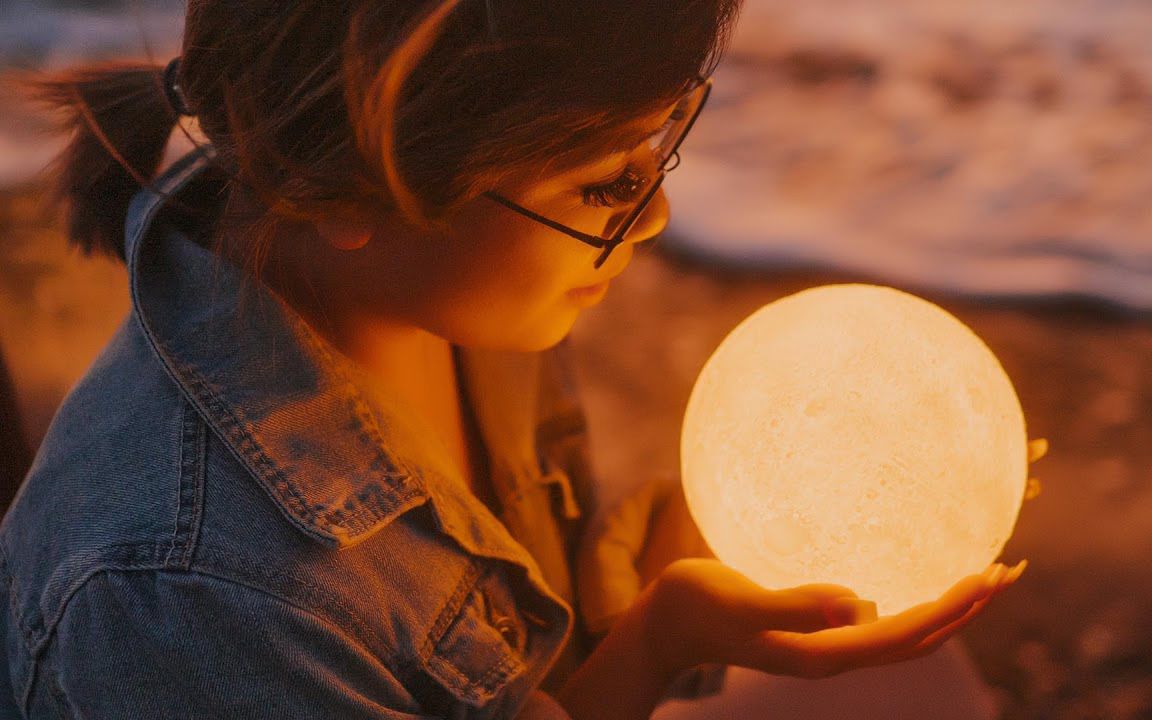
(228, 520)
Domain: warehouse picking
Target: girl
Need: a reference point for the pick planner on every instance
(330, 465)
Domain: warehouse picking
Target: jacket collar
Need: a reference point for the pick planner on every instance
(339, 459)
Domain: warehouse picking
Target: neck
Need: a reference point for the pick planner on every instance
(406, 360)
(408, 363)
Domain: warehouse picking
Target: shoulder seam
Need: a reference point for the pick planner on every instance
(190, 490)
(389, 661)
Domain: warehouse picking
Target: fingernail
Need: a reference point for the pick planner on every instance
(1038, 448)
(997, 575)
(1015, 573)
(849, 611)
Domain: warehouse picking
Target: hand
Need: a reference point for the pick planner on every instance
(628, 546)
(702, 611)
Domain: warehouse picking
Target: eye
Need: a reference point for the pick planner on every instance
(625, 188)
(629, 185)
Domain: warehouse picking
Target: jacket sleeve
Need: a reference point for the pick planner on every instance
(151, 643)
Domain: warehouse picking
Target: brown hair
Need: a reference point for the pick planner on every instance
(316, 108)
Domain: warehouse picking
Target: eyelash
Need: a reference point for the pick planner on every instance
(628, 185)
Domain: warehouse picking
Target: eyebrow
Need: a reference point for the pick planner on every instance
(630, 140)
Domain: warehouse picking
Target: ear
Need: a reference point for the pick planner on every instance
(343, 235)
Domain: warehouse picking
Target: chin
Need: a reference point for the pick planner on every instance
(530, 332)
(544, 341)
(541, 337)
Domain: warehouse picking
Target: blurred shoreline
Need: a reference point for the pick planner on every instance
(977, 149)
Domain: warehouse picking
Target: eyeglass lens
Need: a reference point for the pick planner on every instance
(663, 146)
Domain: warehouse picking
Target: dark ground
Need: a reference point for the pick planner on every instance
(1073, 640)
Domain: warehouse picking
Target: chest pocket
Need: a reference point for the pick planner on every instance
(478, 642)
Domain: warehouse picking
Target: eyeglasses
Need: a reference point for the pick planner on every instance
(664, 147)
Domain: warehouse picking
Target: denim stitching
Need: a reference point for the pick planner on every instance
(190, 488)
(198, 489)
(150, 558)
(180, 475)
(235, 431)
(54, 689)
(267, 470)
(151, 555)
(14, 595)
(145, 206)
(450, 609)
(223, 561)
(388, 660)
(368, 431)
(508, 665)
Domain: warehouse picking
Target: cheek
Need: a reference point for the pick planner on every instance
(500, 285)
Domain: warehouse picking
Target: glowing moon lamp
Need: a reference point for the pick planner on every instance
(857, 435)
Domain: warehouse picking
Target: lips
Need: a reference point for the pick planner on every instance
(588, 295)
(601, 284)
(590, 288)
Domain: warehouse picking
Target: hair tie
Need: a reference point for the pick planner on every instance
(172, 91)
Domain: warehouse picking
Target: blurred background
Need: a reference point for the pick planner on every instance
(993, 157)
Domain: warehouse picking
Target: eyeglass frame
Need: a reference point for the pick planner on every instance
(610, 244)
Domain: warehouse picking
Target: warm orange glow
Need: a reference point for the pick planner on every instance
(858, 435)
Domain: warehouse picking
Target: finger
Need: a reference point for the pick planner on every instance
(860, 645)
(823, 590)
(1037, 449)
(802, 609)
(810, 608)
(938, 638)
(841, 605)
(1032, 489)
(920, 621)
(746, 607)
(931, 643)
(935, 640)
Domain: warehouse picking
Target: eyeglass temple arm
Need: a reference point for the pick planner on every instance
(592, 240)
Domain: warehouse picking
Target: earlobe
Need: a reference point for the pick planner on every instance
(343, 236)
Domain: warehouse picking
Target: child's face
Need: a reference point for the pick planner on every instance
(496, 278)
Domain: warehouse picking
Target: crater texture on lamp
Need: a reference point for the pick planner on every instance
(857, 435)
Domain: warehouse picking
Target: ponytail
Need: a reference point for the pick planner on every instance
(119, 120)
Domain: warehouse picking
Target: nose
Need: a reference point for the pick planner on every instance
(653, 221)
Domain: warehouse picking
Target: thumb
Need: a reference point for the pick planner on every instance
(810, 608)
